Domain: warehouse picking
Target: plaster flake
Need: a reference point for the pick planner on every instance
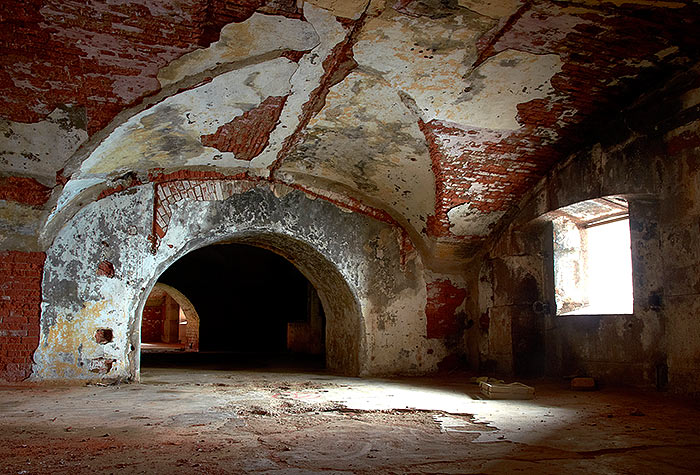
(305, 80)
(168, 134)
(71, 191)
(667, 52)
(40, 148)
(377, 150)
(465, 220)
(256, 36)
(690, 98)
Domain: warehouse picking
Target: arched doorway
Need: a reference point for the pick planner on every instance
(350, 259)
(341, 336)
(254, 308)
(169, 321)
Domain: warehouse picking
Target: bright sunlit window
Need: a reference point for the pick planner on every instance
(592, 259)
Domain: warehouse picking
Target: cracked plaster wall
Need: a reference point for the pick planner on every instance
(651, 158)
(376, 323)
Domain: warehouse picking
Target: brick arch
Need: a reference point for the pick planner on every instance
(192, 343)
(104, 261)
(220, 211)
(343, 338)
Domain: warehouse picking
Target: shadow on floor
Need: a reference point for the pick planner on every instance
(228, 361)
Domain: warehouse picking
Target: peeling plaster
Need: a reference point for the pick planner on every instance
(42, 148)
(468, 221)
(425, 58)
(430, 59)
(351, 9)
(70, 192)
(305, 80)
(494, 90)
(256, 36)
(255, 215)
(168, 134)
(366, 138)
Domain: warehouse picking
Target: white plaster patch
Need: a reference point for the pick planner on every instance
(168, 134)
(666, 52)
(305, 80)
(423, 57)
(256, 36)
(73, 188)
(468, 221)
(76, 301)
(39, 149)
(367, 139)
(506, 80)
(429, 60)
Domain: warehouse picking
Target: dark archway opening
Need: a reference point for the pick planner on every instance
(256, 309)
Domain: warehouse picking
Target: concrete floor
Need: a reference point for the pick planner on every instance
(283, 422)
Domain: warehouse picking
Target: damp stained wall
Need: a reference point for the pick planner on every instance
(375, 325)
(653, 163)
(435, 121)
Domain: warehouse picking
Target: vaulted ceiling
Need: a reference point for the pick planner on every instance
(437, 116)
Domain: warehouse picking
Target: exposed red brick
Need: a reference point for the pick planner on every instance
(129, 181)
(597, 45)
(42, 65)
(247, 135)
(20, 311)
(685, 141)
(441, 308)
(158, 175)
(293, 55)
(486, 43)
(152, 323)
(104, 336)
(105, 268)
(24, 190)
(195, 185)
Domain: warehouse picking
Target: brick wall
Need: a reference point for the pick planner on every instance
(444, 298)
(20, 309)
(152, 323)
(23, 190)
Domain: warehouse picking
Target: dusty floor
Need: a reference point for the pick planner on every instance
(242, 421)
